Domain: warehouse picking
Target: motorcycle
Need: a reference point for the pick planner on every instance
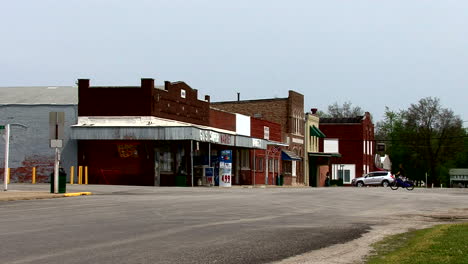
(408, 184)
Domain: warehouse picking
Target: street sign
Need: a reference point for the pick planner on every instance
(2, 127)
(56, 124)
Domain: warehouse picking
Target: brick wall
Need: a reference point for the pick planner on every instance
(274, 110)
(113, 101)
(169, 103)
(29, 147)
(223, 120)
(352, 137)
(257, 129)
(177, 101)
(287, 112)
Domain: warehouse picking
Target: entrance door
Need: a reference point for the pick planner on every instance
(312, 172)
(157, 171)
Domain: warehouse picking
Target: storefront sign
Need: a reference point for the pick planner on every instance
(215, 137)
(256, 143)
(266, 132)
(225, 166)
(209, 136)
(226, 139)
(298, 141)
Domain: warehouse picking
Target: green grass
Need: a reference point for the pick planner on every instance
(437, 245)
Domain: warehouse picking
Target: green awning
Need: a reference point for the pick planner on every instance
(315, 132)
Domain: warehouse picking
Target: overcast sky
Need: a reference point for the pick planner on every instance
(371, 53)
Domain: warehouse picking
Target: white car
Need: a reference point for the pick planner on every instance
(383, 178)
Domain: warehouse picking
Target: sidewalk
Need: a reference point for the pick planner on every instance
(13, 194)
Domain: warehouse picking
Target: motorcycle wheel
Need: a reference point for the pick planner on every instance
(410, 187)
(394, 186)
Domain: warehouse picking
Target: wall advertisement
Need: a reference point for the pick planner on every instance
(225, 167)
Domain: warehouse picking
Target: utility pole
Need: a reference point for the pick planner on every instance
(6, 175)
(7, 153)
(56, 127)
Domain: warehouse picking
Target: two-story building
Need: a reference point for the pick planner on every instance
(354, 139)
(289, 113)
(316, 163)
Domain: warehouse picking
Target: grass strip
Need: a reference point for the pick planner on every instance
(439, 244)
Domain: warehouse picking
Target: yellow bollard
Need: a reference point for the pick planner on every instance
(86, 174)
(34, 175)
(80, 174)
(72, 174)
(8, 175)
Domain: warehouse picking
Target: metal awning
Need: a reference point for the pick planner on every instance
(323, 154)
(276, 143)
(315, 131)
(289, 155)
(248, 142)
(154, 128)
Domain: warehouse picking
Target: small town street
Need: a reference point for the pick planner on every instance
(130, 224)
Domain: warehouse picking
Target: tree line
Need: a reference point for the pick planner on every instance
(425, 138)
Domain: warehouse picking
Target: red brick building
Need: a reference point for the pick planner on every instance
(355, 139)
(251, 164)
(162, 136)
(289, 113)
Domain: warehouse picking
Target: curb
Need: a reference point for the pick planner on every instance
(77, 194)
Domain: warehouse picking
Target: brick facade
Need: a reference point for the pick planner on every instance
(289, 113)
(356, 141)
(176, 101)
(222, 119)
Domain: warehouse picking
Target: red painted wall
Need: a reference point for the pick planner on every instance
(110, 162)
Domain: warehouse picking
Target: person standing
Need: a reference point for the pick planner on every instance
(327, 179)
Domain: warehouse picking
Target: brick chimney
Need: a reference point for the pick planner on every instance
(83, 85)
(166, 85)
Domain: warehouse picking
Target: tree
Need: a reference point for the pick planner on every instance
(424, 138)
(345, 110)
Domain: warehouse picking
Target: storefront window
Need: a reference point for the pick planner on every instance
(287, 167)
(260, 162)
(180, 159)
(167, 160)
(245, 159)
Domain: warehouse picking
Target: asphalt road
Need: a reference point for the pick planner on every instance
(128, 224)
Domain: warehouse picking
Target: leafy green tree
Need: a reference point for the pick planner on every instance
(340, 111)
(424, 138)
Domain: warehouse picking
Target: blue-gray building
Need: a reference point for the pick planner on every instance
(30, 147)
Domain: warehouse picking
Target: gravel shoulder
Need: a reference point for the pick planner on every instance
(357, 250)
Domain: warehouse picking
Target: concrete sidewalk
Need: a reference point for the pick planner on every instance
(27, 191)
(14, 195)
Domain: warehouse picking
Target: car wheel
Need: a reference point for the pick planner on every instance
(360, 184)
(385, 183)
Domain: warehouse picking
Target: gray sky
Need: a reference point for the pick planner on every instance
(372, 53)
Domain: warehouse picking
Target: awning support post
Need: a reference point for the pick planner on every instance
(191, 159)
